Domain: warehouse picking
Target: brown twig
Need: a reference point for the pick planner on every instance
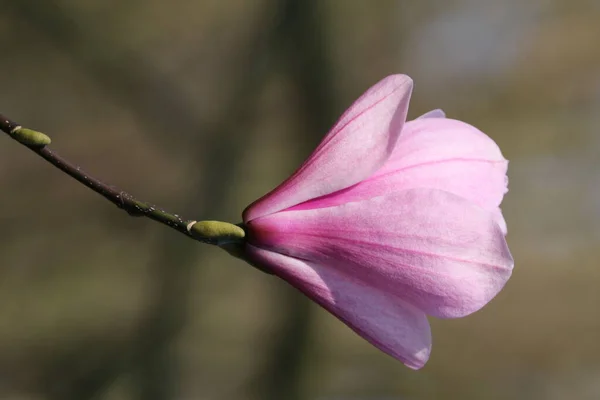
(37, 142)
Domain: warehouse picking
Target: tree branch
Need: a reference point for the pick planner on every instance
(38, 143)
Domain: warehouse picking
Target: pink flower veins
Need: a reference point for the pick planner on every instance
(389, 221)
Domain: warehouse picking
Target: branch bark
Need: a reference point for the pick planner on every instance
(37, 142)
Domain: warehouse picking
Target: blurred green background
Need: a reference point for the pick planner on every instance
(203, 106)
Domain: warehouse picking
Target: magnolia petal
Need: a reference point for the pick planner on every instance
(359, 144)
(387, 322)
(431, 248)
(435, 153)
(450, 155)
(437, 113)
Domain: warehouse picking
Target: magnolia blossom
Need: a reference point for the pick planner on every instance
(389, 221)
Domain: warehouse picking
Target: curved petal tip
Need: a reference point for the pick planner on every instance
(386, 321)
(359, 143)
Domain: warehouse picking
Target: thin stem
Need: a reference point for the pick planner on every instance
(121, 199)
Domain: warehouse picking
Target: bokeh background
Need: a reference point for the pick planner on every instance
(203, 106)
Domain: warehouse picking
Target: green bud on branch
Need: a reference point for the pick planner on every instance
(216, 232)
(29, 137)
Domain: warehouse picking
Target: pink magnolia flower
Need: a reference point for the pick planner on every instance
(389, 221)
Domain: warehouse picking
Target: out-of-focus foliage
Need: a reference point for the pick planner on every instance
(201, 107)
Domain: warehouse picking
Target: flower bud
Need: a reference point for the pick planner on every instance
(216, 232)
(29, 137)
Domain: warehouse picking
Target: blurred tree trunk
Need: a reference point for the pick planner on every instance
(302, 52)
(177, 261)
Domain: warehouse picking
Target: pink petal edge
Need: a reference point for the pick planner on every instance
(359, 144)
(437, 113)
(387, 322)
